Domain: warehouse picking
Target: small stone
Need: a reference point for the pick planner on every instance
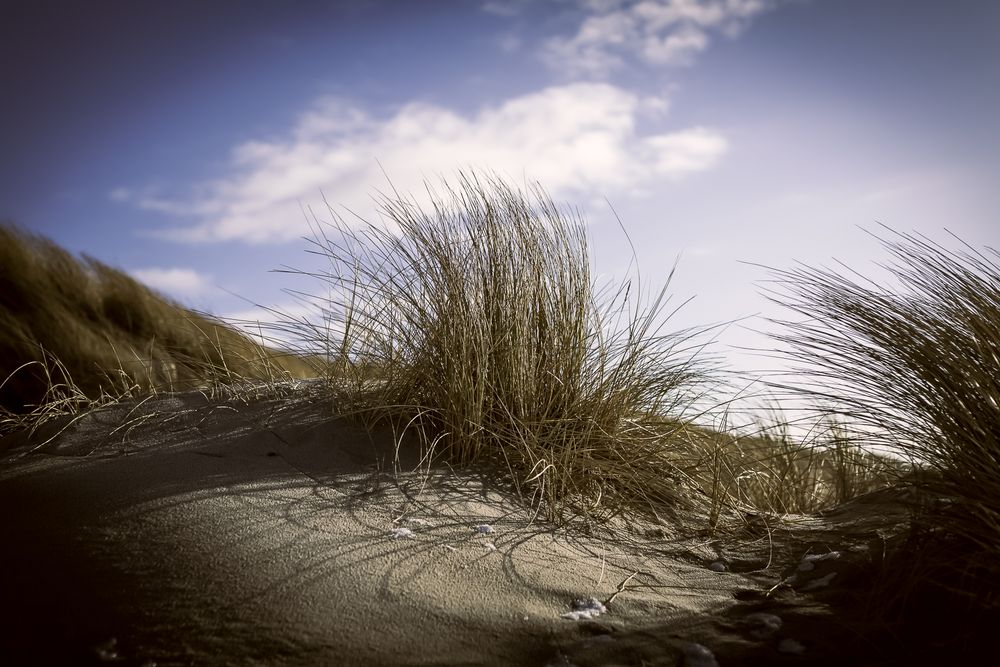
(484, 529)
(717, 566)
(401, 532)
(589, 608)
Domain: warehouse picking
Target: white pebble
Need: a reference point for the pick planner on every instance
(589, 608)
(484, 529)
(490, 546)
(401, 532)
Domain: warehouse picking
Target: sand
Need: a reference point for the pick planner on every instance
(188, 531)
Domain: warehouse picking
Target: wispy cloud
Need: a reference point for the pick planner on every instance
(656, 32)
(576, 139)
(149, 198)
(173, 281)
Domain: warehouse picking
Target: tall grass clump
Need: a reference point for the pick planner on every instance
(917, 368)
(75, 330)
(476, 325)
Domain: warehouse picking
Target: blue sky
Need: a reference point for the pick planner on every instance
(181, 141)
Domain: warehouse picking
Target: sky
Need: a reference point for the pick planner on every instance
(183, 141)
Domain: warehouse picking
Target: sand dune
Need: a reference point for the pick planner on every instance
(190, 532)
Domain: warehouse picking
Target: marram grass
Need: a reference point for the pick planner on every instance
(916, 369)
(489, 340)
(76, 332)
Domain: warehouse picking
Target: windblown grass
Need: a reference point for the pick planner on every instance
(74, 332)
(767, 471)
(917, 371)
(491, 342)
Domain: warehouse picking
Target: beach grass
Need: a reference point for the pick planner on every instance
(766, 470)
(491, 342)
(75, 332)
(915, 368)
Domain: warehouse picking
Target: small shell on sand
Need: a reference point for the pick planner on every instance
(401, 532)
(589, 608)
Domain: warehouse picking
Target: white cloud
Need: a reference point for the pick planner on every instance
(176, 281)
(149, 199)
(675, 48)
(682, 152)
(657, 32)
(574, 139)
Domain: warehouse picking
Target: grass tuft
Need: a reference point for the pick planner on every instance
(916, 369)
(476, 326)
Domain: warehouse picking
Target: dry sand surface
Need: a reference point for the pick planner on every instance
(184, 531)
